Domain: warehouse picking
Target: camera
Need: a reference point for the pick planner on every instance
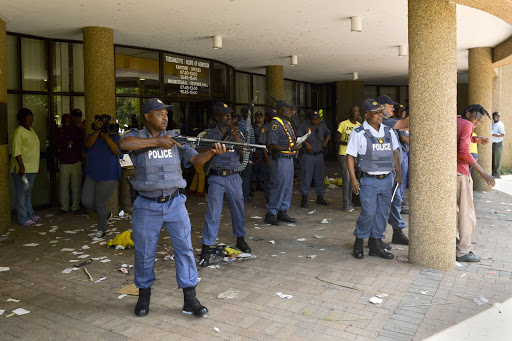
(107, 127)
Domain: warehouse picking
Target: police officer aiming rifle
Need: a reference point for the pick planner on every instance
(159, 182)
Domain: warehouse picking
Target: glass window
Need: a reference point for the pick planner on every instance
(137, 72)
(78, 103)
(391, 91)
(220, 82)
(34, 64)
(243, 87)
(12, 112)
(61, 67)
(77, 71)
(370, 92)
(127, 112)
(232, 88)
(61, 105)
(259, 88)
(289, 92)
(404, 96)
(12, 62)
(38, 104)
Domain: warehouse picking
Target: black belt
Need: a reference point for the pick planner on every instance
(313, 153)
(380, 176)
(164, 199)
(223, 172)
(282, 155)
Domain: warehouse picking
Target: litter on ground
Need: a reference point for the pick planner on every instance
(12, 300)
(301, 239)
(382, 295)
(272, 241)
(280, 294)
(4, 268)
(20, 311)
(375, 300)
(122, 296)
(256, 217)
(31, 244)
(326, 221)
(480, 300)
(318, 237)
(230, 293)
(101, 279)
(68, 249)
(402, 259)
(216, 329)
(312, 212)
(311, 256)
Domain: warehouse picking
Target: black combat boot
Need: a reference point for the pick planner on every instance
(304, 201)
(358, 249)
(377, 250)
(242, 245)
(383, 245)
(272, 219)
(204, 259)
(283, 216)
(321, 201)
(399, 237)
(192, 305)
(142, 307)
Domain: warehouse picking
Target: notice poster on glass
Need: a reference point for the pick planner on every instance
(186, 76)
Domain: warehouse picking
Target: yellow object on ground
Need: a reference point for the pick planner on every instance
(123, 239)
(231, 251)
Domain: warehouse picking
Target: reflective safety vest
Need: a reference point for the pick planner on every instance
(157, 169)
(379, 153)
(291, 137)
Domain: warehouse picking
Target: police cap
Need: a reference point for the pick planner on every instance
(283, 104)
(155, 104)
(258, 113)
(372, 105)
(221, 108)
(384, 99)
(313, 114)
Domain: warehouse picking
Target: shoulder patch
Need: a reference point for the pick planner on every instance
(274, 126)
(359, 128)
(263, 130)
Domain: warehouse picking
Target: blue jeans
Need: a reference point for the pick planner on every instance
(24, 197)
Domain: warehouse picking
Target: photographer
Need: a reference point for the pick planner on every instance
(103, 169)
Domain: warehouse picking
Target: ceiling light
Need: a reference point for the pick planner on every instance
(356, 24)
(217, 42)
(402, 50)
(355, 76)
(142, 79)
(294, 60)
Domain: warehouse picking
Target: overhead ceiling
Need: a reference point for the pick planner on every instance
(259, 33)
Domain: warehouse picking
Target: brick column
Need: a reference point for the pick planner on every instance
(5, 207)
(275, 83)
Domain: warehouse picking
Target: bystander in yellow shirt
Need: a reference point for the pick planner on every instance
(25, 143)
(345, 128)
(473, 149)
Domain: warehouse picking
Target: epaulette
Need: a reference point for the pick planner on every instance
(359, 128)
(128, 131)
(201, 134)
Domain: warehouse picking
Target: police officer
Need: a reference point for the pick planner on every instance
(375, 147)
(270, 113)
(159, 181)
(224, 179)
(395, 217)
(259, 164)
(312, 159)
(282, 143)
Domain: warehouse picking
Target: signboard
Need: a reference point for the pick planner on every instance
(186, 76)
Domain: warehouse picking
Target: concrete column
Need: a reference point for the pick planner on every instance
(480, 91)
(5, 208)
(433, 104)
(100, 82)
(275, 83)
(348, 93)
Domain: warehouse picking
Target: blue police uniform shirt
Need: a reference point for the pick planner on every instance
(230, 160)
(257, 133)
(390, 122)
(317, 137)
(264, 133)
(185, 153)
(277, 135)
(102, 164)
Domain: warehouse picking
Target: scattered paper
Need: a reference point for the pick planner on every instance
(424, 292)
(122, 296)
(105, 260)
(480, 300)
(130, 289)
(42, 233)
(31, 244)
(4, 268)
(402, 259)
(399, 248)
(230, 293)
(101, 279)
(68, 249)
(85, 247)
(70, 232)
(76, 252)
(382, 295)
(68, 270)
(2, 312)
(245, 255)
(74, 261)
(12, 300)
(375, 300)
(20, 311)
(214, 266)
(318, 237)
(311, 256)
(216, 329)
(326, 221)
(256, 217)
(301, 239)
(83, 256)
(457, 263)
(272, 241)
(39, 225)
(312, 212)
(169, 257)
(461, 276)
(121, 213)
(291, 225)
(280, 294)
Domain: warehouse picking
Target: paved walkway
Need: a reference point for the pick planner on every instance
(330, 288)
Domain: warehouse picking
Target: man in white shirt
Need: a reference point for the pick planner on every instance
(498, 132)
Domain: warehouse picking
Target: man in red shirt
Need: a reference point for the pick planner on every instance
(466, 219)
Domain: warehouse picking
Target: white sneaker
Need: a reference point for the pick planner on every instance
(99, 235)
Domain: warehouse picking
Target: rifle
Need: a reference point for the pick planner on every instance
(195, 142)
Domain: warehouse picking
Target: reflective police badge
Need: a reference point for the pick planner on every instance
(274, 126)
(263, 130)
